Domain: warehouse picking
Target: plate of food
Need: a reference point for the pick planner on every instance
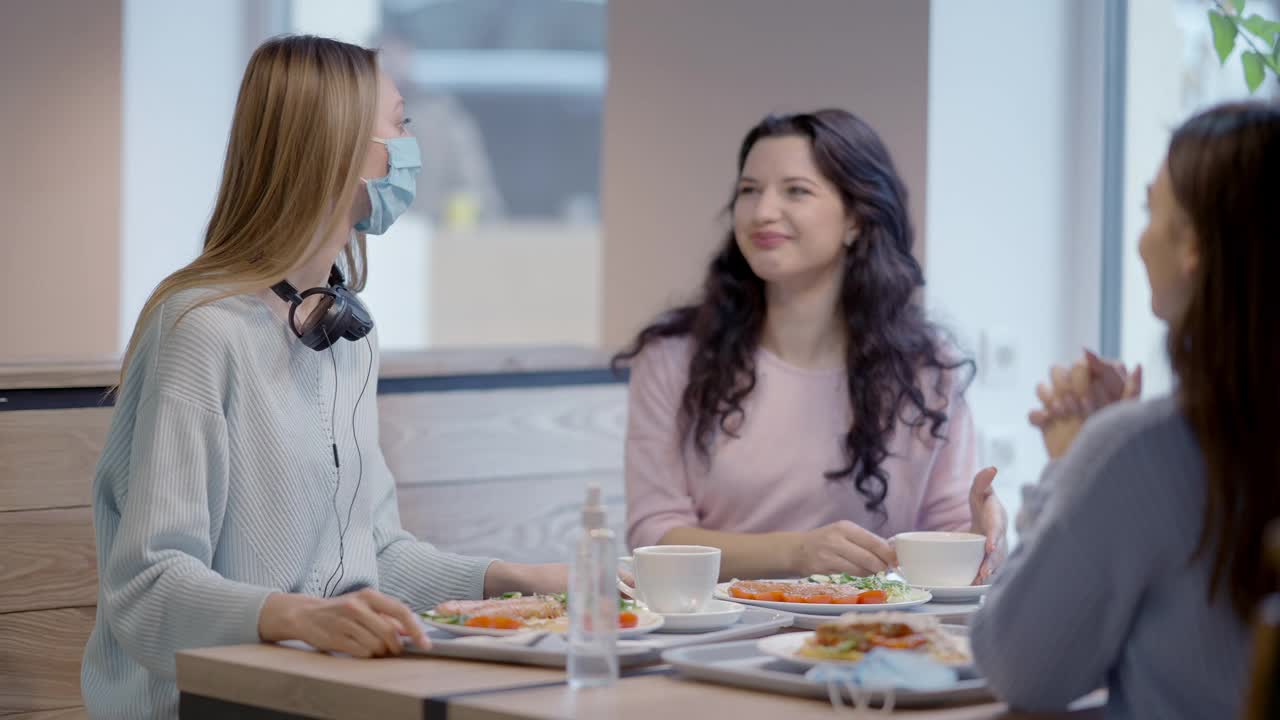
(848, 638)
(514, 613)
(825, 594)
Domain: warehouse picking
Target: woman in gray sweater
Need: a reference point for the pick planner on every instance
(1143, 568)
(242, 495)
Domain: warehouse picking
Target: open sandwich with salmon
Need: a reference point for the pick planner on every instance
(852, 635)
(515, 611)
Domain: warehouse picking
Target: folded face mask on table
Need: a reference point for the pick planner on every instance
(885, 671)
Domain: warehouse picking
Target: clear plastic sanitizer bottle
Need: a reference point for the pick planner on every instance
(593, 600)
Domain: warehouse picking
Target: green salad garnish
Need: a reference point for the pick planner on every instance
(895, 589)
(624, 603)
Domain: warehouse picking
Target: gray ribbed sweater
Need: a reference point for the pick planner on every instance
(1103, 591)
(217, 487)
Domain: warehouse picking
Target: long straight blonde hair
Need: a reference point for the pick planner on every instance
(298, 138)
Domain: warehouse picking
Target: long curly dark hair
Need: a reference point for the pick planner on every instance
(889, 339)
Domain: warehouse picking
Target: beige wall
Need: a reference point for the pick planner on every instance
(514, 284)
(686, 81)
(60, 129)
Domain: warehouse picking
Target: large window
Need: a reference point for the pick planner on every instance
(1172, 71)
(501, 247)
(1013, 227)
(1031, 165)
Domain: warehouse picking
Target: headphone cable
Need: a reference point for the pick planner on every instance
(340, 570)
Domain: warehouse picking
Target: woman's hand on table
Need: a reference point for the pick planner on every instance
(365, 623)
(841, 546)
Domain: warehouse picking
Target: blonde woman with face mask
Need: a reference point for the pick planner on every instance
(242, 495)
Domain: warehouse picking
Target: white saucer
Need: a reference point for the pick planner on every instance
(718, 614)
(955, 593)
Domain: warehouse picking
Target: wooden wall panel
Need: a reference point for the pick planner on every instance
(49, 560)
(47, 457)
(522, 519)
(451, 436)
(40, 655)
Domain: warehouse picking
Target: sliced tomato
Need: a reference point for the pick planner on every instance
(627, 619)
(738, 592)
(872, 597)
(497, 623)
(771, 596)
(909, 642)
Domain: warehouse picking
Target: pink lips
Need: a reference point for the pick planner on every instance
(768, 240)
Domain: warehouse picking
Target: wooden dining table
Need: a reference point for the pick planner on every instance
(272, 682)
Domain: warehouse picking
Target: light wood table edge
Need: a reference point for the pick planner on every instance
(308, 683)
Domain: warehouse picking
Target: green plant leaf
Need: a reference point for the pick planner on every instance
(1224, 35)
(1239, 6)
(1253, 72)
(1262, 27)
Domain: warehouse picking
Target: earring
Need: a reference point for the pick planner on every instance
(848, 239)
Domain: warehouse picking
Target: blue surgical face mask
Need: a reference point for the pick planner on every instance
(884, 671)
(391, 195)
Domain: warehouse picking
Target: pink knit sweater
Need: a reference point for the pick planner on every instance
(771, 477)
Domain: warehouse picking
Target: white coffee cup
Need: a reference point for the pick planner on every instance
(939, 559)
(673, 578)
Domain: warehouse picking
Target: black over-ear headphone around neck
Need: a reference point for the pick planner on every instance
(340, 313)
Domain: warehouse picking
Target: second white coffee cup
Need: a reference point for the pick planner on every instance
(673, 578)
(939, 559)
